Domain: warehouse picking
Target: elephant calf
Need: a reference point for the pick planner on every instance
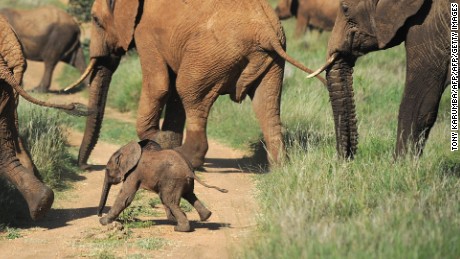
(166, 172)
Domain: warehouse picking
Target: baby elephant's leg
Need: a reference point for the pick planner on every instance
(171, 200)
(123, 200)
(169, 214)
(202, 210)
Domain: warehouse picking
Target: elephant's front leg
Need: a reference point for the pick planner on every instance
(154, 94)
(425, 83)
(123, 200)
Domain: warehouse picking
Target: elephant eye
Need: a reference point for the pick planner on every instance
(344, 8)
(97, 22)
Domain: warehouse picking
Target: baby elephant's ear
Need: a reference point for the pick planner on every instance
(129, 156)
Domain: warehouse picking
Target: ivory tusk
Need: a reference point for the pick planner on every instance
(83, 76)
(321, 69)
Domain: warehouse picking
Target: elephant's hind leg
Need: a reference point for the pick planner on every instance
(266, 100)
(171, 199)
(200, 208)
(45, 83)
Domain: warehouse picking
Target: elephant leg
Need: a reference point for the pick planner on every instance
(21, 152)
(154, 94)
(169, 214)
(170, 196)
(266, 104)
(196, 142)
(123, 200)
(301, 26)
(38, 196)
(46, 79)
(425, 83)
(174, 120)
(200, 208)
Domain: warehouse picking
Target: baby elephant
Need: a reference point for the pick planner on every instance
(166, 172)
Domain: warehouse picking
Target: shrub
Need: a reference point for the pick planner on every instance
(80, 9)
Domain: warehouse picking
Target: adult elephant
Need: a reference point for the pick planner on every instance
(371, 25)
(15, 162)
(190, 52)
(317, 14)
(50, 35)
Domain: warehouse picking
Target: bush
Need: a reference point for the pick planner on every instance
(80, 9)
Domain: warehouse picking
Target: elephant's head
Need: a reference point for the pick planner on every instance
(361, 26)
(287, 8)
(113, 25)
(120, 164)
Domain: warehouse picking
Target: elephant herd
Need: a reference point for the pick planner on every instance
(193, 51)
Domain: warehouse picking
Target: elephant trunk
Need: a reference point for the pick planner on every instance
(104, 195)
(98, 90)
(340, 86)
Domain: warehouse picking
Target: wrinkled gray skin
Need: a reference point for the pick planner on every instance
(370, 25)
(166, 172)
(50, 35)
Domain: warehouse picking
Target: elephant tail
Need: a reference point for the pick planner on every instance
(209, 186)
(77, 109)
(279, 49)
(275, 31)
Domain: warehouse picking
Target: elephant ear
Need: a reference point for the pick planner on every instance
(125, 13)
(128, 157)
(391, 15)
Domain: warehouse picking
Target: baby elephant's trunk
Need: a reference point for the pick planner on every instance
(105, 193)
(210, 186)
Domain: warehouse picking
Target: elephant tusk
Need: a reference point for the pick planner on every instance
(83, 76)
(324, 67)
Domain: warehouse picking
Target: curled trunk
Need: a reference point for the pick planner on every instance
(98, 90)
(340, 86)
(104, 195)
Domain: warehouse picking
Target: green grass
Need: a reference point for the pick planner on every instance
(316, 206)
(29, 4)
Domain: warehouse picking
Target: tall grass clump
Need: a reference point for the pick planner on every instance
(45, 138)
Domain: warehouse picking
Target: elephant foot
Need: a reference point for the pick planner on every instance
(182, 228)
(105, 220)
(41, 203)
(204, 215)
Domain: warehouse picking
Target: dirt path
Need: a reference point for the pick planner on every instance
(72, 230)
